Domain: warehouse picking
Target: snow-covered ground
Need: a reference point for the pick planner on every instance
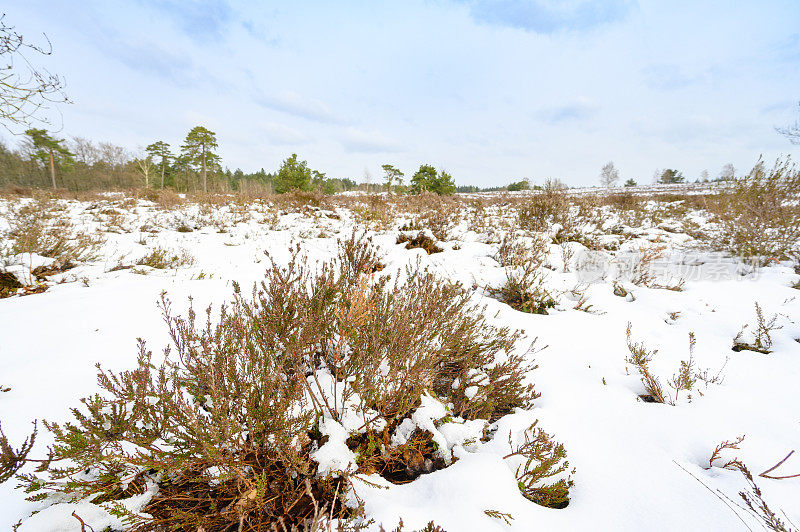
(638, 465)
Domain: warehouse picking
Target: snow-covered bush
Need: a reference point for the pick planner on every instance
(422, 240)
(41, 228)
(541, 211)
(259, 417)
(759, 216)
(524, 288)
(162, 258)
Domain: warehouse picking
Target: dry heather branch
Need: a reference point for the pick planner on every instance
(725, 445)
(544, 459)
(752, 497)
(430, 527)
(765, 474)
(762, 339)
(685, 379)
(12, 460)
(641, 268)
(687, 376)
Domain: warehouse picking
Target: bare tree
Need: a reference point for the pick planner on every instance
(728, 172)
(791, 132)
(85, 151)
(113, 155)
(609, 175)
(25, 90)
(145, 167)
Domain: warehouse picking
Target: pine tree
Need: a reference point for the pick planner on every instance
(428, 179)
(671, 176)
(392, 174)
(49, 149)
(199, 150)
(292, 174)
(443, 184)
(423, 179)
(161, 151)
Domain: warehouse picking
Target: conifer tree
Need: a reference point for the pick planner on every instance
(49, 150)
(444, 185)
(423, 178)
(199, 150)
(161, 151)
(392, 174)
(293, 174)
(428, 179)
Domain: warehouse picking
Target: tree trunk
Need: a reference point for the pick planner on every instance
(205, 185)
(162, 173)
(52, 168)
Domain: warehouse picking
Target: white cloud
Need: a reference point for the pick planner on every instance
(283, 135)
(297, 105)
(359, 141)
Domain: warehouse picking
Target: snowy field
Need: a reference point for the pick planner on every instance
(638, 465)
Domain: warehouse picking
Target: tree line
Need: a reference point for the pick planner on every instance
(44, 161)
(609, 176)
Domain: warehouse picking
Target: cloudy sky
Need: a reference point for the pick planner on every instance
(492, 90)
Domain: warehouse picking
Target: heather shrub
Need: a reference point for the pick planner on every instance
(41, 228)
(759, 338)
(759, 216)
(164, 259)
(685, 379)
(375, 212)
(422, 241)
(524, 288)
(236, 427)
(623, 201)
(546, 208)
(543, 474)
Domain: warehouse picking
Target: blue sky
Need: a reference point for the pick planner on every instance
(492, 90)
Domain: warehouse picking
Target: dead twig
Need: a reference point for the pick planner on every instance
(776, 466)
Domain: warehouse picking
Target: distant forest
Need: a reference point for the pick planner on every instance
(41, 160)
(79, 164)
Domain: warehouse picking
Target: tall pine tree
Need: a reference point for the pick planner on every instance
(160, 150)
(49, 150)
(199, 150)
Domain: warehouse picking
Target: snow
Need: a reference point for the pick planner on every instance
(638, 465)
